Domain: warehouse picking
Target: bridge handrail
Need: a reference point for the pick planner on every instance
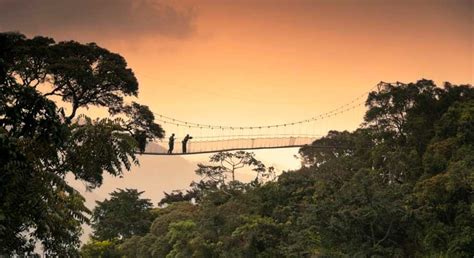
(247, 137)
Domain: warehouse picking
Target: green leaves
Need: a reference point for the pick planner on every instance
(95, 248)
(259, 237)
(97, 146)
(443, 196)
(403, 185)
(124, 215)
(40, 144)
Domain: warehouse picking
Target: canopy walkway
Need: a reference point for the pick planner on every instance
(201, 146)
(207, 138)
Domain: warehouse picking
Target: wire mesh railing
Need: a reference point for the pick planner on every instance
(202, 145)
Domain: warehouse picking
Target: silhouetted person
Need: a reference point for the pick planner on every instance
(171, 144)
(185, 142)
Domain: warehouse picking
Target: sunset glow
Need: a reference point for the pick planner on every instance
(252, 63)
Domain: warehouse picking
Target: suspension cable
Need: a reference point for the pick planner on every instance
(355, 103)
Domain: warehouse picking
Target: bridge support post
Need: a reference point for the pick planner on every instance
(292, 141)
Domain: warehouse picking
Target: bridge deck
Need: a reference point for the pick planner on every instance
(221, 150)
(202, 147)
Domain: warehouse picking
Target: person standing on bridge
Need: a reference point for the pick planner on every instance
(171, 144)
(185, 142)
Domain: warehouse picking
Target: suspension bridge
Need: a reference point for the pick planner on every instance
(208, 138)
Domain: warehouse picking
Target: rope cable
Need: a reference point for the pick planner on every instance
(355, 103)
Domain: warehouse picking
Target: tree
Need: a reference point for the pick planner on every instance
(101, 249)
(228, 163)
(40, 142)
(124, 215)
(373, 192)
(159, 241)
(400, 185)
(259, 237)
(443, 197)
(222, 176)
(180, 236)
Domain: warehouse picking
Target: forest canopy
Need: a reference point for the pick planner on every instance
(401, 185)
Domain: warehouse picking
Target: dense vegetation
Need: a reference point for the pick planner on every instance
(41, 142)
(399, 186)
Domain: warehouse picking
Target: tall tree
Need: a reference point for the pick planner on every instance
(124, 215)
(40, 143)
(221, 174)
(226, 165)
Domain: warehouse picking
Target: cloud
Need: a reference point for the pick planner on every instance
(120, 19)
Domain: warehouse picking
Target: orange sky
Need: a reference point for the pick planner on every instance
(293, 60)
(287, 59)
(259, 62)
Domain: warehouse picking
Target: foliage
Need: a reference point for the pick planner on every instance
(220, 175)
(399, 186)
(123, 215)
(387, 192)
(228, 163)
(258, 236)
(40, 142)
(163, 233)
(99, 249)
